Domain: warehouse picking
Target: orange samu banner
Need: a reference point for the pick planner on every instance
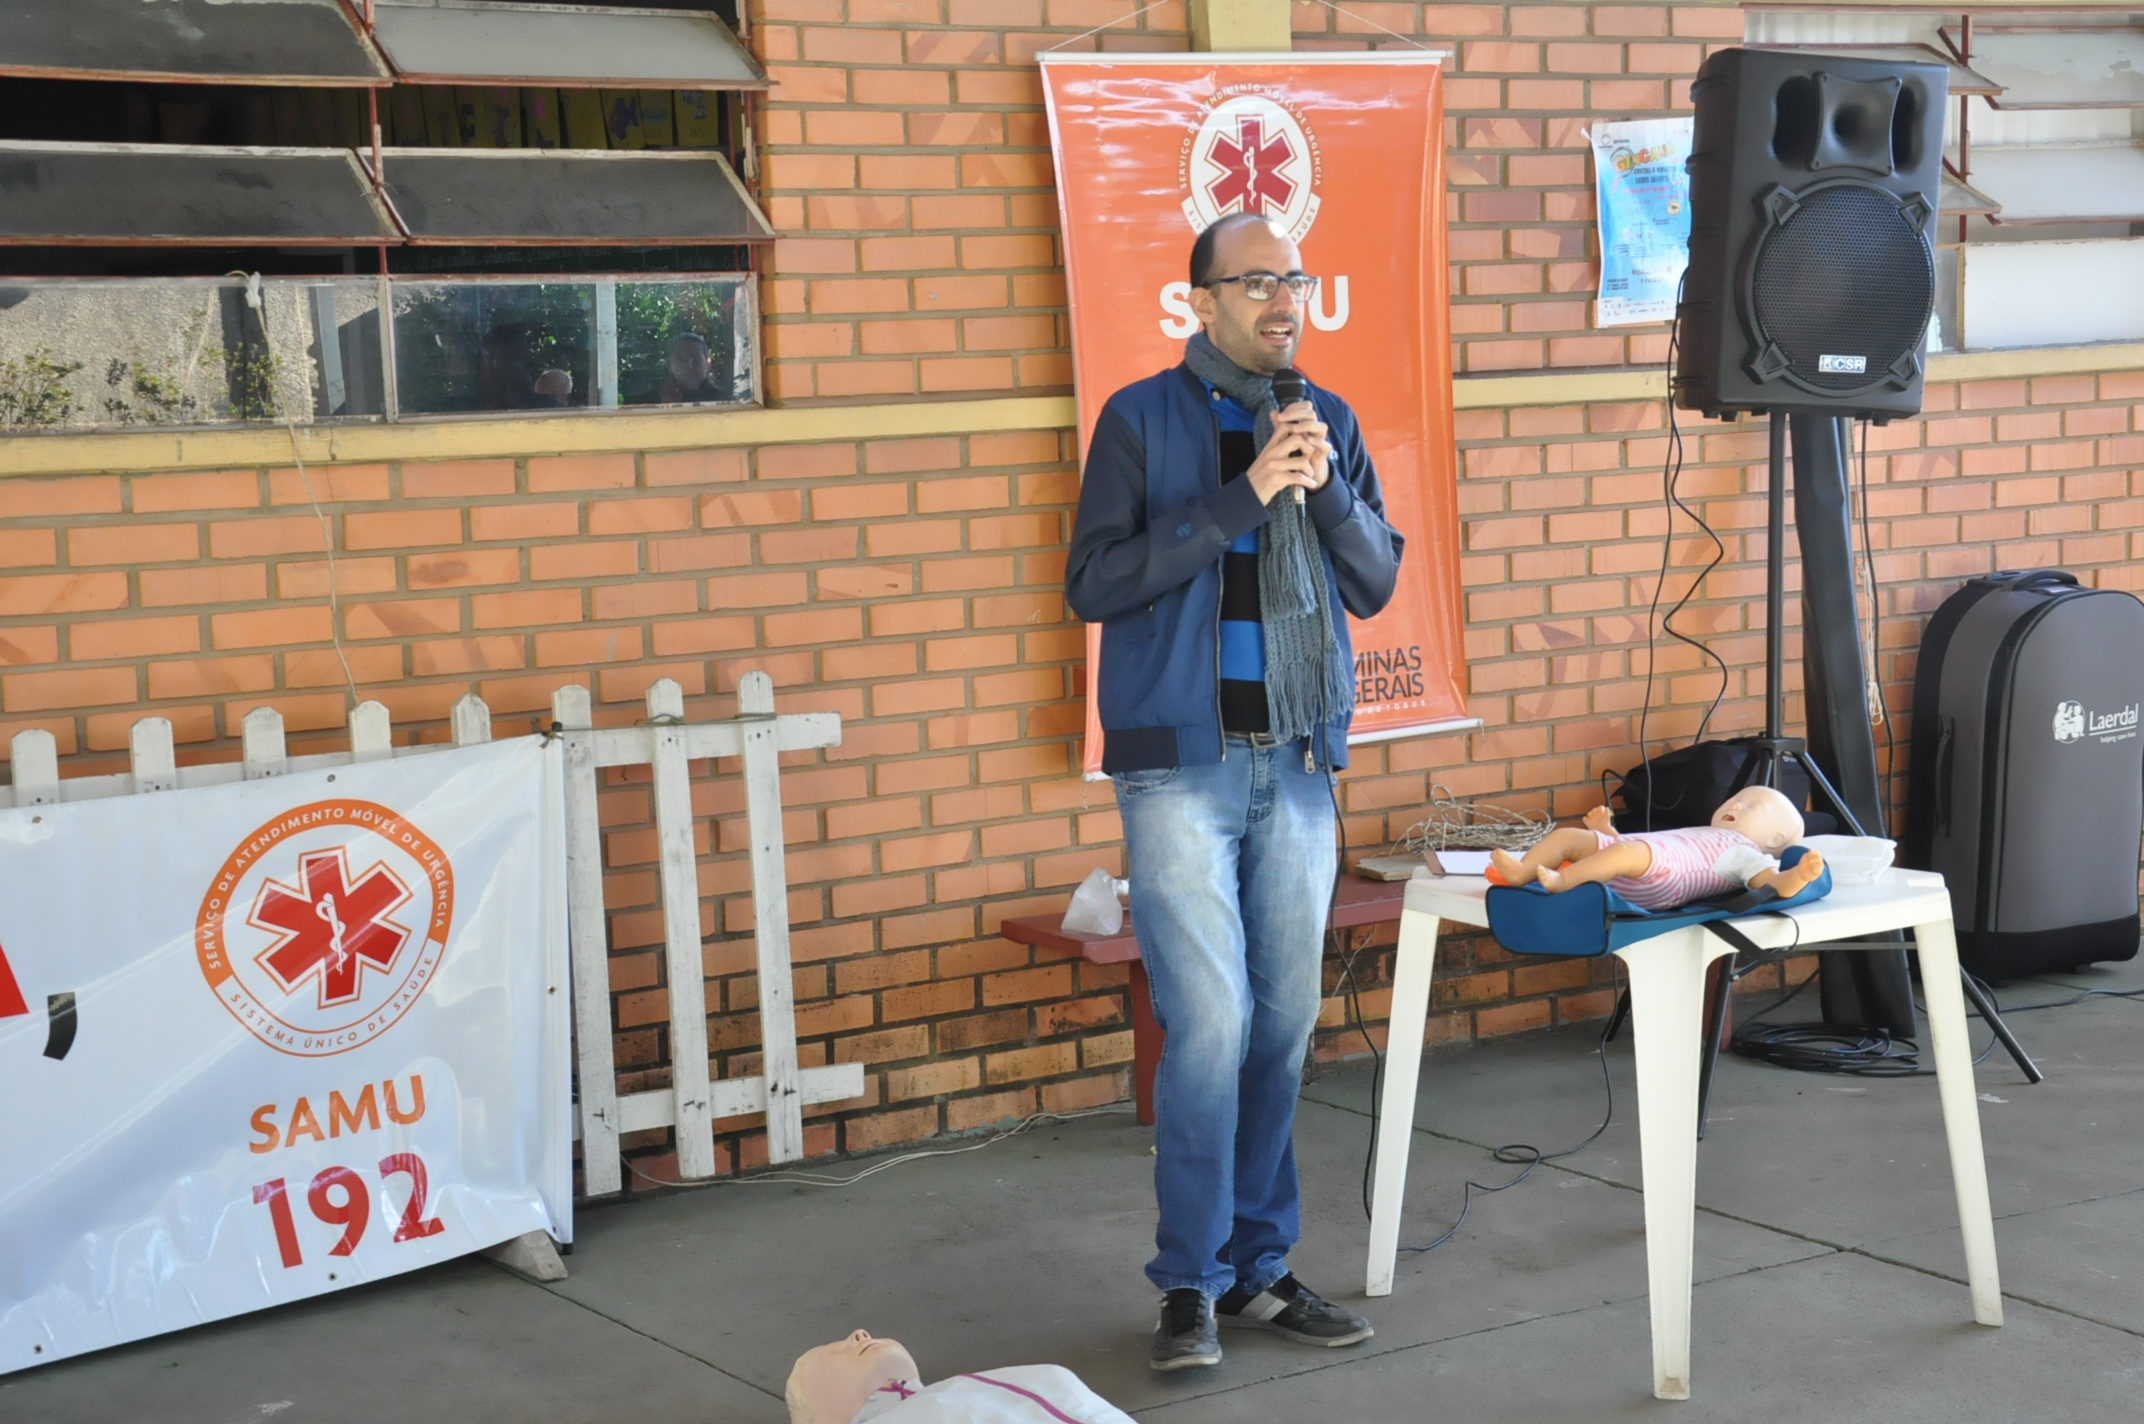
(1347, 153)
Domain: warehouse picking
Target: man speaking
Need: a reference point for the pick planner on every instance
(1221, 534)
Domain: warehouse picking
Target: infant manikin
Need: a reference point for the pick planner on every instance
(1659, 870)
(861, 1380)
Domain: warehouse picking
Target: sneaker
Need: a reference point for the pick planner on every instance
(1291, 1309)
(1185, 1339)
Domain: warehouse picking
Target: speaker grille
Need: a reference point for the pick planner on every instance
(1844, 274)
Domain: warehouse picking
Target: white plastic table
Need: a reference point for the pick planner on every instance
(1667, 984)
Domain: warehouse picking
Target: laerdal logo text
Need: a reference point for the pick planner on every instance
(2074, 722)
(2100, 724)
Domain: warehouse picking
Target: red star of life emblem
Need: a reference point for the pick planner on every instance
(329, 926)
(1250, 167)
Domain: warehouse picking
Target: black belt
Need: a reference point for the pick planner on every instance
(1256, 739)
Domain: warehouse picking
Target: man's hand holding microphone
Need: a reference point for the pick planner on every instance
(1297, 457)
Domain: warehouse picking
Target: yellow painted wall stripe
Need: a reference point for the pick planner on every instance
(519, 436)
(1584, 387)
(1558, 388)
(481, 437)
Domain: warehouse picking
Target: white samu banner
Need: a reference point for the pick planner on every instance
(267, 1040)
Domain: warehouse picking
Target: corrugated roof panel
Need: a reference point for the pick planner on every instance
(124, 194)
(465, 41)
(558, 198)
(187, 41)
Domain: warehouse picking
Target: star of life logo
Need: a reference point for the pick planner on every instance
(329, 930)
(1252, 153)
(326, 925)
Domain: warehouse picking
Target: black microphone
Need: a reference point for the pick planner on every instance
(1288, 388)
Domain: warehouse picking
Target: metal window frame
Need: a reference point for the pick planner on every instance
(1991, 30)
(759, 82)
(747, 319)
(704, 157)
(390, 227)
(394, 230)
(2116, 197)
(1995, 22)
(361, 18)
(1964, 79)
(383, 76)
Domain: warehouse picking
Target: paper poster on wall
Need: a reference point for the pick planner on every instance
(1644, 194)
(264, 1041)
(1346, 151)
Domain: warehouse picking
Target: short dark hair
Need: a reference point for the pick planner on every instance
(1202, 260)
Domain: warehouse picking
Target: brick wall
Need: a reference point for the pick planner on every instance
(1525, 83)
(907, 152)
(914, 585)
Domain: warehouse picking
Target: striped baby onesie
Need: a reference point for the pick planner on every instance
(1689, 864)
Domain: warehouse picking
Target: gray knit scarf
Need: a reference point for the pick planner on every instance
(1308, 683)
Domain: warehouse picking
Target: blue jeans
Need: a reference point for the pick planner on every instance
(1231, 871)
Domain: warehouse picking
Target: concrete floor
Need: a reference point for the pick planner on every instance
(1829, 1274)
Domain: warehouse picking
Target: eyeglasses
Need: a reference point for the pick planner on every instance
(1260, 286)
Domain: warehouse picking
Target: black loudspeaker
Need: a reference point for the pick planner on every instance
(1813, 188)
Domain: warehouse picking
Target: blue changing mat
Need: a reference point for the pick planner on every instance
(1592, 919)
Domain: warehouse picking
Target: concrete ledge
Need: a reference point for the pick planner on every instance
(479, 437)
(1650, 384)
(599, 433)
(2036, 361)
(1558, 388)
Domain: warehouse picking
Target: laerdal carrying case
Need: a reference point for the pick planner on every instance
(2027, 776)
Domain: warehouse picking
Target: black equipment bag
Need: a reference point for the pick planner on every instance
(1685, 786)
(2027, 789)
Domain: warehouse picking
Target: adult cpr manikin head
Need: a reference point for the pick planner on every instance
(831, 1382)
(1764, 815)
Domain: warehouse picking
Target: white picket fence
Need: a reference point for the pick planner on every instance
(664, 741)
(692, 1103)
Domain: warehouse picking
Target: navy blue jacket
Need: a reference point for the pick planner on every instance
(1154, 521)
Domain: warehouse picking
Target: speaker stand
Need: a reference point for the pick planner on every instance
(1770, 754)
